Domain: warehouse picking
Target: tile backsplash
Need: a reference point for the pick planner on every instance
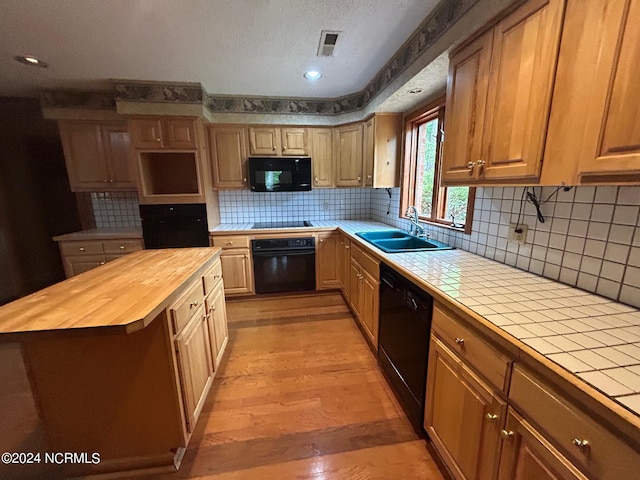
(241, 206)
(116, 209)
(590, 237)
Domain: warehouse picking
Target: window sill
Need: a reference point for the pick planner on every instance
(444, 225)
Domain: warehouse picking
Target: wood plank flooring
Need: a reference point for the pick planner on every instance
(300, 396)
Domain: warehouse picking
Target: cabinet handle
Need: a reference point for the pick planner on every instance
(346, 246)
(359, 178)
(471, 165)
(459, 341)
(506, 434)
(284, 147)
(481, 163)
(244, 180)
(229, 243)
(216, 276)
(492, 417)
(122, 247)
(82, 249)
(315, 179)
(274, 148)
(369, 177)
(193, 304)
(102, 263)
(322, 240)
(581, 444)
(157, 139)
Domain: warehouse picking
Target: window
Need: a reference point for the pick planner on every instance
(445, 206)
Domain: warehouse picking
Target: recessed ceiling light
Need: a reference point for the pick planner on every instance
(312, 75)
(415, 91)
(31, 61)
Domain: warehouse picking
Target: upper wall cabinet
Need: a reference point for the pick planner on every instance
(228, 156)
(150, 133)
(594, 129)
(381, 150)
(97, 155)
(321, 140)
(499, 96)
(348, 148)
(278, 141)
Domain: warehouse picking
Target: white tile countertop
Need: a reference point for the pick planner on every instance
(594, 338)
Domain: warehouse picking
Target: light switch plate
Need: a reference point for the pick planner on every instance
(518, 237)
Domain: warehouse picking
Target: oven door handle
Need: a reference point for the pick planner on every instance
(283, 253)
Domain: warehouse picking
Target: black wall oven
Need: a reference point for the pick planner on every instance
(284, 264)
(174, 225)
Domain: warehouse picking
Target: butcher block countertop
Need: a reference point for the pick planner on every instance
(127, 293)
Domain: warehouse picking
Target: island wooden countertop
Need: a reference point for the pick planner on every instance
(125, 294)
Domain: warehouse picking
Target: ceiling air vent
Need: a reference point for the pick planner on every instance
(328, 41)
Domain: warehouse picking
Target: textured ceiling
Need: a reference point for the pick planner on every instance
(232, 47)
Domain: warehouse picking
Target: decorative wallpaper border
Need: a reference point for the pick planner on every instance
(94, 100)
(439, 21)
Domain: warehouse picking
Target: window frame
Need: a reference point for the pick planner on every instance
(412, 122)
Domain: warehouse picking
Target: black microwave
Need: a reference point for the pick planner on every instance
(279, 174)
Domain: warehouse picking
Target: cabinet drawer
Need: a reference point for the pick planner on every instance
(122, 246)
(212, 276)
(231, 242)
(606, 454)
(89, 247)
(187, 304)
(366, 261)
(479, 354)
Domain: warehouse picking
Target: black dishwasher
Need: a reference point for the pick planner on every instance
(405, 326)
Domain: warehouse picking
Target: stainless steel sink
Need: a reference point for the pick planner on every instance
(396, 241)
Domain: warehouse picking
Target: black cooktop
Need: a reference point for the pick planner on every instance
(285, 224)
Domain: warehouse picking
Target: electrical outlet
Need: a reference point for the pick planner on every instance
(519, 236)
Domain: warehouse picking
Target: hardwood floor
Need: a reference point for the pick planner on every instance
(300, 396)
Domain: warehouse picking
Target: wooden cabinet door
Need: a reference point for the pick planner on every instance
(327, 260)
(321, 140)
(180, 134)
(263, 141)
(294, 141)
(462, 416)
(84, 156)
(345, 265)
(613, 126)
(237, 271)
(195, 365)
(76, 265)
(219, 333)
(355, 288)
(370, 302)
(368, 151)
(465, 111)
(349, 156)
(523, 65)
(228, 156)
(527, 455)
(117, 149)
(146, 133)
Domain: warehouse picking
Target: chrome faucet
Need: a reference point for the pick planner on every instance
(412, 215)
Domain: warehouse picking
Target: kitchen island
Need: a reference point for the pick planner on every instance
(121, 358)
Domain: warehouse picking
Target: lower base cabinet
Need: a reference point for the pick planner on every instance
(217, 317)
(237, 268)
(79, 256)
(462, 416)
(364, 292)
(527, 455)
(327, 260)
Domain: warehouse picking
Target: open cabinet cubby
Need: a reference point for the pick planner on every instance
(169, 173)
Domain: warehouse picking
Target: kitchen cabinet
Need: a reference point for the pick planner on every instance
(321, 140)
(463, 416)
(364, 287)
(327, 260)
(381, 150)
(527, 455)
(79, 256)
(151, 133)
(278, 141)
(237, 267)
(228, 156)
(344, 265)
(217, 318)
(495, 126)
(594, 128)
(97, 156)
(195, 364)
(348, 155)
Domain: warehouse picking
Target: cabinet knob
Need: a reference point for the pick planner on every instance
(122, 247)
(315, 179)
(102, 263)
(284, 147)
(322, 240)
(244, 180)
(369, 177)
(492, 417)
(229, 243)
(481, 163)
(471, 165)
(346, 246)
(581, 444)
(359, 178)
(459, 341)
(157, 139)
(506, 434)
(111, 181)
(341, 243)
(82, 249)
(193, 304)
(274, 148)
